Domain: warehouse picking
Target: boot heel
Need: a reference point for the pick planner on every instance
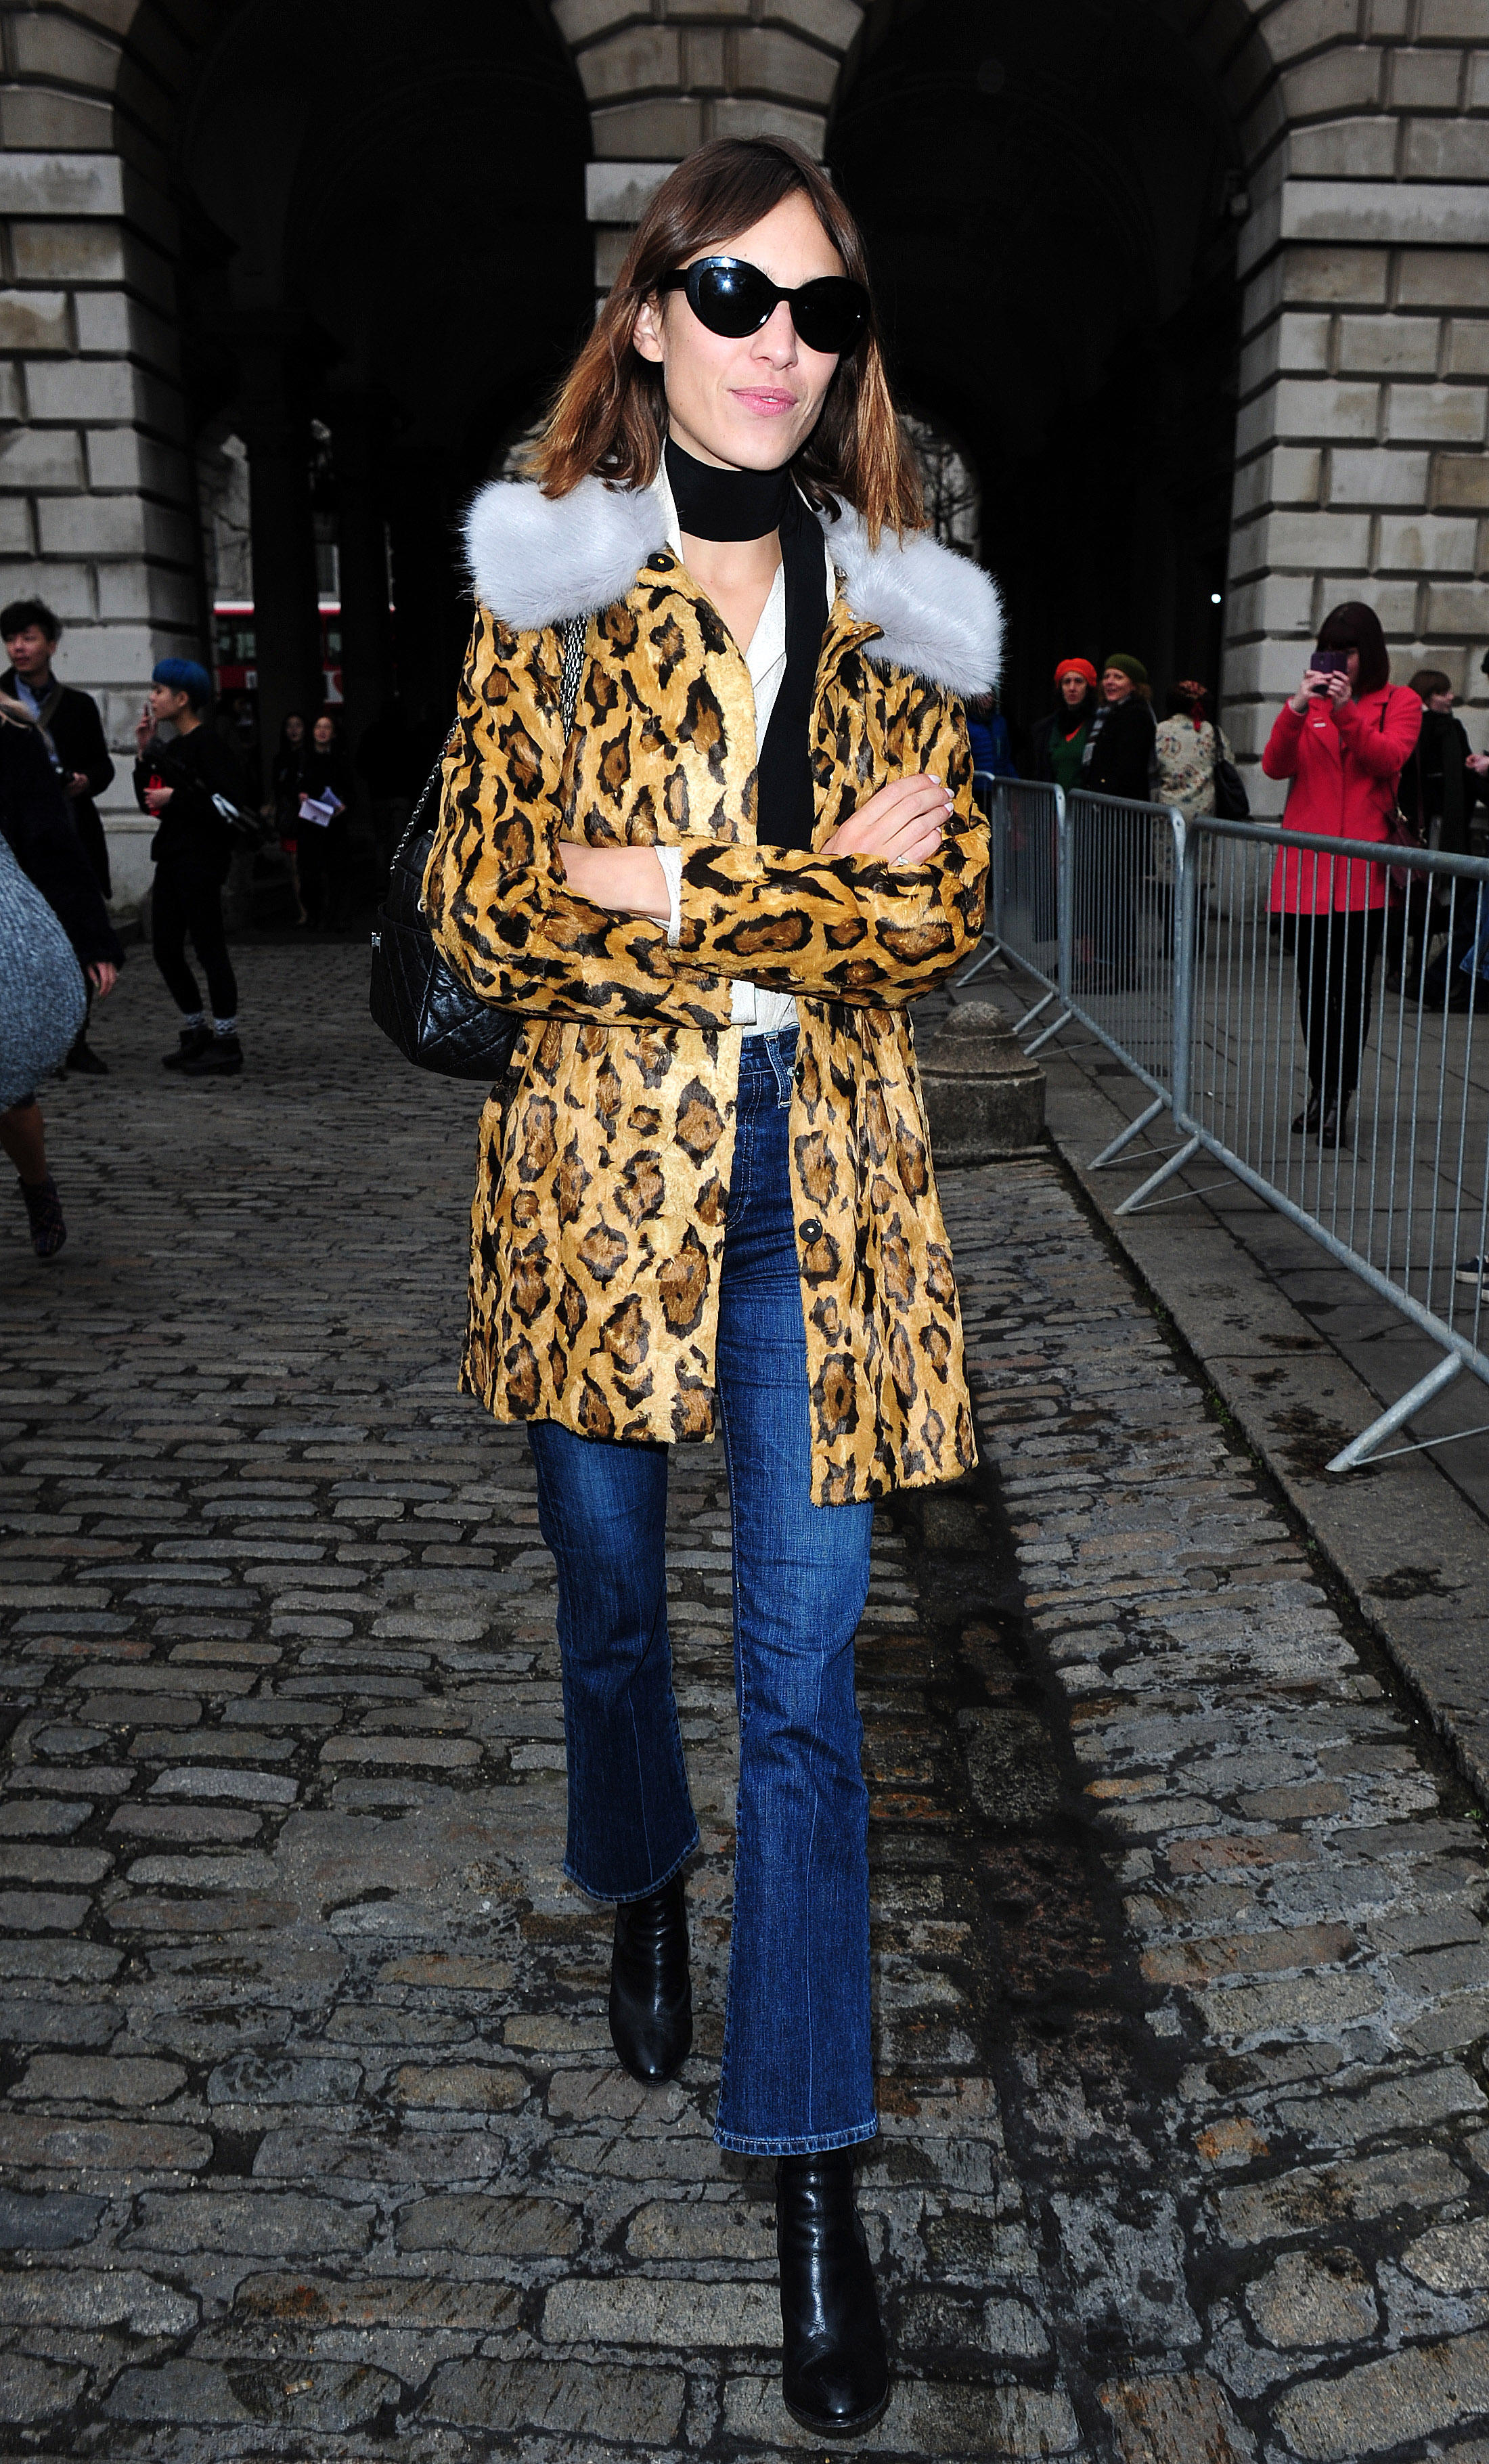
(834, 2362)
(650, 1989)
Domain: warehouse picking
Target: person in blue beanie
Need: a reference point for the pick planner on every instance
(184, 777)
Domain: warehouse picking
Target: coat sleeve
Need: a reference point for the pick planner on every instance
(1381, 746)
(1280, 759)
(494, 888)
(90, 753)
(850, 927)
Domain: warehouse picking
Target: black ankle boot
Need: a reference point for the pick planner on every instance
(835, 2370)
(194, 1040)
(650, 1992)
(221, 1057)
(1307, 1120)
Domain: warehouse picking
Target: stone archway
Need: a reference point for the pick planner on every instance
(1359, 206)
(285, 215)
(1362, 214)
(1055, 260)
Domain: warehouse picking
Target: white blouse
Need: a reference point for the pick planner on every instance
(754, 1009)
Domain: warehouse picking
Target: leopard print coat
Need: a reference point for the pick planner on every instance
(603, 1168)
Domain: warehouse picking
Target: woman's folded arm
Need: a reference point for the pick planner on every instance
(500, 908)
(853, 928)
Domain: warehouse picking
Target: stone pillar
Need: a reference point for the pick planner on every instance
(984, 1096)
(97, 507)
(660, 80)
(1361, 470)
(361, 542)
(286, 626)
(432, 622)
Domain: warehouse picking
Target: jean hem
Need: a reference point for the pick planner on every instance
(820, 2142)
(624, 1898)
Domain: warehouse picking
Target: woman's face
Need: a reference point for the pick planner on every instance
(1116, 685)
(1073, 688)
(1442, 702)
(325, 730)
(295, 730)
(746, 404)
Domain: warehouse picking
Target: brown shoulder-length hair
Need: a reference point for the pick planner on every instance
(610, 413)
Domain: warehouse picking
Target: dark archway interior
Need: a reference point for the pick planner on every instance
(1047, 195)
(384, 233)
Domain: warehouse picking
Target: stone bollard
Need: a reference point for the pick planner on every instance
(984, 1096)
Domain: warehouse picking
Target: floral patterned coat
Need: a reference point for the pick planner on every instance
(603, 1163)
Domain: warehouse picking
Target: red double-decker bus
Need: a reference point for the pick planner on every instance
(234, 661)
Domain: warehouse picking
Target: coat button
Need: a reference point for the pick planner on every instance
(811, 1230)
(661, 562)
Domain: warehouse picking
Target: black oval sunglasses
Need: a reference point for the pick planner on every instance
(732, 298)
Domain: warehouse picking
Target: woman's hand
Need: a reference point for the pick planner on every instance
(145, 729)
(157, 797)
(103, 976)
(902, 822)
(627, 880)
(1316, 685)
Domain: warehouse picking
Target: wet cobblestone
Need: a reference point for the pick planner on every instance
(310, 2142)
(1293, 2243)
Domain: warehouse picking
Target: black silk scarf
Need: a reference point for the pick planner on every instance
(746, 504)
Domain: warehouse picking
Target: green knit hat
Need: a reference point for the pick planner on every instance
(1128, 665)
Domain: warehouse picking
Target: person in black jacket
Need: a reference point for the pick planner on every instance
(1119, 749)
(1439, 789)
(1113, 850)
(72, 734)
(285, 788)
(325, 780)
(178, 779)
(39, 831)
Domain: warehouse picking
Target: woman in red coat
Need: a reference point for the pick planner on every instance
(1341, 741)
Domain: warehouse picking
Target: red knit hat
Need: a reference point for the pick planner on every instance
(1075, 667)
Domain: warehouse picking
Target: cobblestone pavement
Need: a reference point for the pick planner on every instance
(312, 2142)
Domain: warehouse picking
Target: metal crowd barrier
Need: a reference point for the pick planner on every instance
(1168, 951)
(1080, 899)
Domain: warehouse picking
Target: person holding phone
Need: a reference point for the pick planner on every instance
(1341, 741)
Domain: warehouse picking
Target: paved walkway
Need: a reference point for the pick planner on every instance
(312, 2142)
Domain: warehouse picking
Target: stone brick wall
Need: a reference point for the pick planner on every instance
(662, 79)
(1360, 470)
(97, 513)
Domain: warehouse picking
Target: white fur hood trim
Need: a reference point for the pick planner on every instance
(939, 614)
(537, 560)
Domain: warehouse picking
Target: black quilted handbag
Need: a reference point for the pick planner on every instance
(1232, 804)
(419, 1002)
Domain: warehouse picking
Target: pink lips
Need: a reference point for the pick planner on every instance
(769, 405)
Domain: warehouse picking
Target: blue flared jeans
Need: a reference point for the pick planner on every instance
(797, 2074)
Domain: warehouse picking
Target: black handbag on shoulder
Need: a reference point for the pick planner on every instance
(419, 1002)
(1230, 800)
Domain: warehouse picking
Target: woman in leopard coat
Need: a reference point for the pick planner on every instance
(705, 1202)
